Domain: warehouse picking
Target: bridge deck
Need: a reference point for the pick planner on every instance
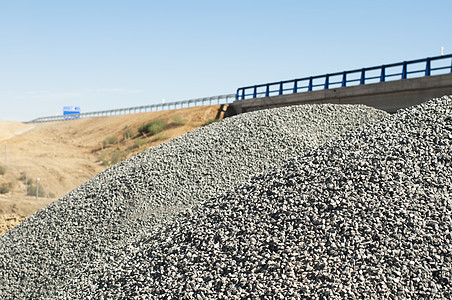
(389, 96)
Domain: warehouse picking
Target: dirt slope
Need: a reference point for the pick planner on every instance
(65, 154)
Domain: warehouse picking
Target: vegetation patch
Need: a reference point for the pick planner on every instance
(111, 158)
(5, 188)
(2, 170)
(177, 120)
(110, 140)
(139, 142)
(160, 137)
(31, 191)
(117, 156)
(127, 134)
(23, 177)
(210, 121)
(153, 127)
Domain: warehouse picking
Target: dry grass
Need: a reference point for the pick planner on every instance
(66, 154)
(9, 221)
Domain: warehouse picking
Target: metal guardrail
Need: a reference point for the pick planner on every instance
(429, 66)
(403, 70)
(222, 99)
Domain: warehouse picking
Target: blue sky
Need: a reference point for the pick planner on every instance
(112, 54)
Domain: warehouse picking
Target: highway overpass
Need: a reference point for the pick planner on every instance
(387, 87)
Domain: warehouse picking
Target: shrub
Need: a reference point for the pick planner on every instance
(5, 188)
(23, 176)
(139, 142)
(2, 170)
(110, 140)
(111, 158)
(24, 179)
(153, 127)
(117, 156)
(177, 120)
(31, 191)
(127, 134)
(160, 137)
(142, 129)
(210, 121)
(103, 159)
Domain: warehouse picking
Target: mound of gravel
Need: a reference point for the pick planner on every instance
(365, 216)
(84, 231)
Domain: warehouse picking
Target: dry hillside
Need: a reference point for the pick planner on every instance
(65, 154)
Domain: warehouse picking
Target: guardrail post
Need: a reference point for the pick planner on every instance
(327, 81)
(267, 91)
(310, 84)
(427, 67)
(404, 71)
(363, 77)
(281, 88)
(243, 94)
(383, 74)
(295, 87)
(344, 79)
(255, 92)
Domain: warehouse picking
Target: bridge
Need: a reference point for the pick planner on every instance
(387, 87)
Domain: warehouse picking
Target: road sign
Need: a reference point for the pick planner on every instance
(71, 112)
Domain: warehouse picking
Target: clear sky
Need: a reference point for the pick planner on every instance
(111, 54)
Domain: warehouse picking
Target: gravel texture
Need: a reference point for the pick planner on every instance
(364, 216)
(63, 250)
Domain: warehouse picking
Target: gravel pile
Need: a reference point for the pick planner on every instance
(364, 216)
(70, 243)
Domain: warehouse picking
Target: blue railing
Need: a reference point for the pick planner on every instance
(429, 66)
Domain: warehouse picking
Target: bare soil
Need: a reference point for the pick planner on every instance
(65, 154)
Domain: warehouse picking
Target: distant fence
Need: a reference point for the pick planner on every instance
(403, 70)
(222, 99)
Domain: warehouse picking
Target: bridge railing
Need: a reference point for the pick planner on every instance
(222, 99)
(429, 66)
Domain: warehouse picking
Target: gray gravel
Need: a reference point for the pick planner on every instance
(66, 247)
(364, 216)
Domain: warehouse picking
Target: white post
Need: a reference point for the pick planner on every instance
(37, 187)
(442, 50)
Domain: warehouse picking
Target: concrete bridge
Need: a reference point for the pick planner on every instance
(388, 87)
